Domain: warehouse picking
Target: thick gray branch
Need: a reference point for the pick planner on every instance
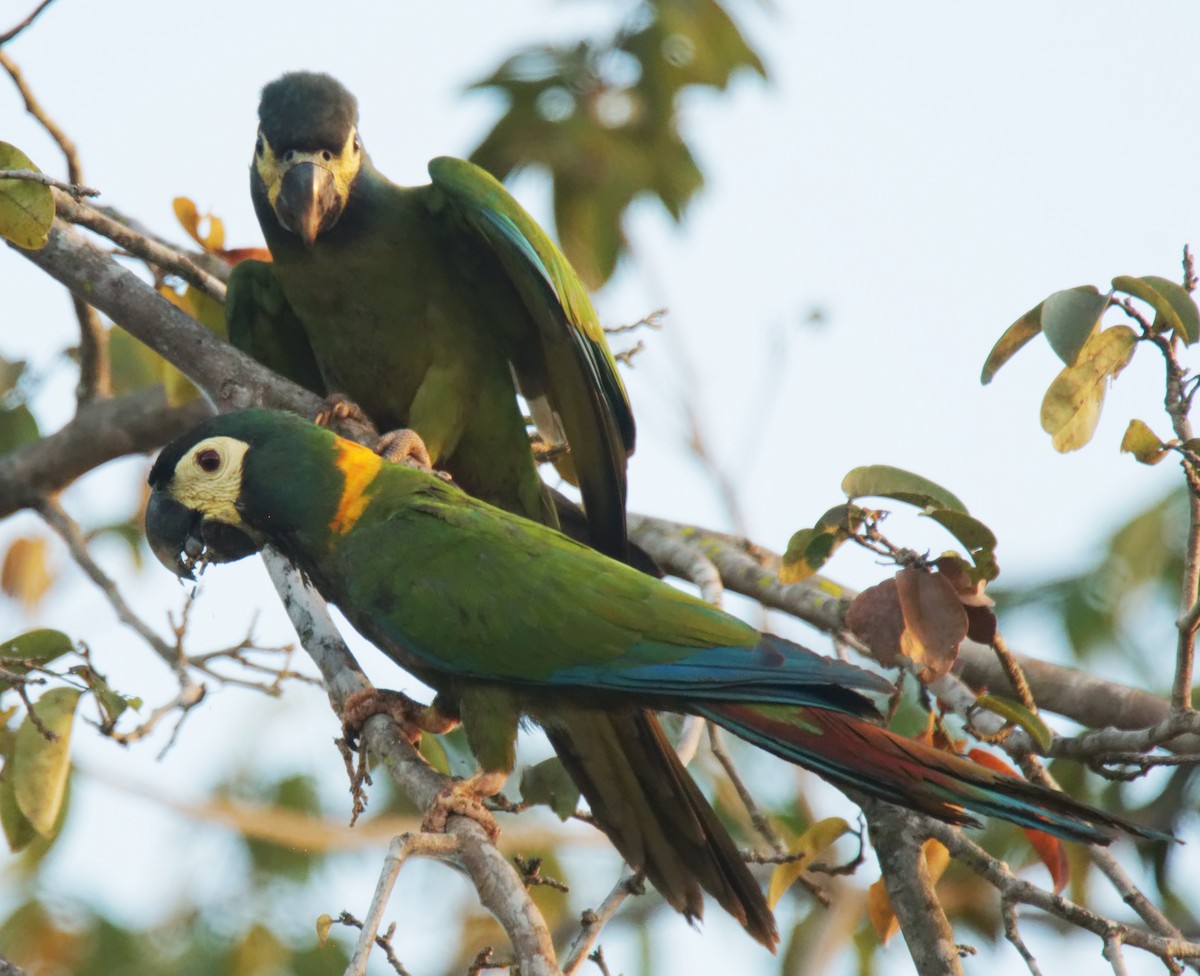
(229, 378)
(897, 839)
(101, 431)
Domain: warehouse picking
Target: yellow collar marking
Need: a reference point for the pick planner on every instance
(359, 466)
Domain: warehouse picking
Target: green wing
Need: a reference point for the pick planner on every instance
(263, 325)
(564, 368)
(471, 590)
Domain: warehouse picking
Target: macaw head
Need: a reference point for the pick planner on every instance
(194, 514)
(308, 152)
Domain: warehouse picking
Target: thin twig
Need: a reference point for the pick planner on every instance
(94, 368)
(757, 817)
(1014, 671)
(10, 34)
(1013, 934)
(33, 176)
(171, 261)
(400, 849)
(68, 529)
(1114, 954)
(651, 321)
(34, 108)
(593, 920)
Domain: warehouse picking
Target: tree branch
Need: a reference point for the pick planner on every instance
(101, 431)
(231, 379)
(897, 839)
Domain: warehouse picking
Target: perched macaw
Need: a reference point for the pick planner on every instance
(429, 307)
(506, 618)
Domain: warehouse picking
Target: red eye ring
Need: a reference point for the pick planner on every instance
(208, 460)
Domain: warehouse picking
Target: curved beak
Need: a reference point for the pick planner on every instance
(307, 203)
(180, 537)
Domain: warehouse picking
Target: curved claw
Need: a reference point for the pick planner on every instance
(464, 798)
(404, 446)
(411, 717)
(346, 418)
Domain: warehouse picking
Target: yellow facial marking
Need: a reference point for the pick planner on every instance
(343, 165)
(359, 466)
(208, 479)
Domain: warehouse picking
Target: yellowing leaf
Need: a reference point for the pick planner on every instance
(324, 924)
(811, 843)
(1142, 443)
(39, 766)
(1015, 336)
(1018, 714)
(879, 906)
(189, 217)
(1174, 309)
(26, 209)
(807, 551)
(1071, 407)
(25, 575)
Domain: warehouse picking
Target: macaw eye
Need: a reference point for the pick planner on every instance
(289, 155)
(258, 145)
(326, 155)
(357, 144)
(208, 460)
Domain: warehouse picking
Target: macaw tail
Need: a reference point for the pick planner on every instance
(859, 755)
(644, 800)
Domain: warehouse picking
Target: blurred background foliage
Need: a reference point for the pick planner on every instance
(600, 117)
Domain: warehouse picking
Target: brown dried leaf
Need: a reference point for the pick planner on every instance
(874, 616)
(981, 625)
(934, 619)
(958, 574)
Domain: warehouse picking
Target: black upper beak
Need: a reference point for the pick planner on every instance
(179, 537)
(308, 202)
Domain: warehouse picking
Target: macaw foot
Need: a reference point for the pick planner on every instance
(346, 418)
(464, 798)
(404, 446)
(411, 717)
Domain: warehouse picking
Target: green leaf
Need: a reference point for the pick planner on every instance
(1015, 336)
(549, 783)
(978, 539)
(1142, 443)
(18, 831)
(38, 646)
(887, 482)
(1019, 715)
(17, 428)
(1174, 310)
(39, 766)
(26, 209)
(1071, 407)
(1070, 317)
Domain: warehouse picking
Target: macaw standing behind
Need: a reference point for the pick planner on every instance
(506, 618)
(428, 306)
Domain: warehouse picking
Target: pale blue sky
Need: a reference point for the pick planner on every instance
(923, 172)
